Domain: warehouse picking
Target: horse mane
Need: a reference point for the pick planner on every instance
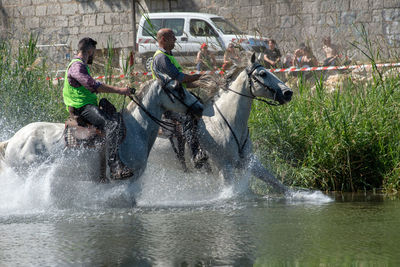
(140, 93)
(210, 85)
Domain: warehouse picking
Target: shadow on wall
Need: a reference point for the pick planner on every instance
(171, 5)
(3, 20)
(112, 4)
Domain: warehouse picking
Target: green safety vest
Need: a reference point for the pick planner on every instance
(173, 61)
(77, 96)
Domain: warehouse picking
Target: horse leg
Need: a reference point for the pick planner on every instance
(259, 171)
(226, 173)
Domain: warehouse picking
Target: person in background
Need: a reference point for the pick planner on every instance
(331, 52)
(230, 56)
(308, 59)
(80, 97)
(272, 56)
(205, 59)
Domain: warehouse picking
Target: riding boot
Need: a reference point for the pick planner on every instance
(118, 170)
(199, 157)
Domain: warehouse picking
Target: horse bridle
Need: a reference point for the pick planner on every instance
(249, 72)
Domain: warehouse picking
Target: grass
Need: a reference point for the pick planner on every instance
(347, 140)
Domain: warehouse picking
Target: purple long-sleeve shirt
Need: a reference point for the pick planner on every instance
(78, 75)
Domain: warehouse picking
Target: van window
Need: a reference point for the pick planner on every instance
(175, 24)
(200, 27)
(151, 29)
(225, 26)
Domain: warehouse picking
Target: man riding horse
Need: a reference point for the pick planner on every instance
(80, 97)
(164, 62)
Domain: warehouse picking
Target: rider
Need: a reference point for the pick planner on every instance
(80, 97)
(164, 62)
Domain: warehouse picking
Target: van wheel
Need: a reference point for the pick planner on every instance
(147, 63)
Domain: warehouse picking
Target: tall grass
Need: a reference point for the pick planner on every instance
(25, 94)
(346, 140)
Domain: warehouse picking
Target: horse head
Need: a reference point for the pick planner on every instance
(264, 83)
(177, 98)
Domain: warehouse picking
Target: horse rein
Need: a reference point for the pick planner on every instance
(249, 73)
(240, 147)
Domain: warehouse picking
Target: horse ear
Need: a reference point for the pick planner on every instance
(253, 58)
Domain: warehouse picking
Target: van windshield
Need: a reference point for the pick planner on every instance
(225, 26)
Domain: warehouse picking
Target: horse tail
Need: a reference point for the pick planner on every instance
(3, 146)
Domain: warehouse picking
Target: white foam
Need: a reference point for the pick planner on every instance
(308, 196)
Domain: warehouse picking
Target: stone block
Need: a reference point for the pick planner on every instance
(376, 4)
(304, 20)
(311, 7)
(391, 14)
(287, 21)
(32, 22)
(89, 20)
(364, 16)
(46, 22)
(39, 2)
(334, 5)
(392, 28)
(25, 2)
(53, 9)
(41, 11)
(107, 28)
(26, 11)
(96, 29)
(332, 19)
(319, 19)
(100, 19)
(74, 30)
(69, 9)
(244, 3)
(61, 21)
(348, 18)
(391, 3)
(257, 12)
(75, 21)
(85, 8)
(377, 16)
(359, 4)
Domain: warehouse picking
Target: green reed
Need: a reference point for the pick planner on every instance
(346, 140)
(25, 93)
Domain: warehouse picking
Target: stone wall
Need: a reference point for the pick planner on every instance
(291, 22)
(287, 21)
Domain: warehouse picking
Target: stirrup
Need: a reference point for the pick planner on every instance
(120, 172)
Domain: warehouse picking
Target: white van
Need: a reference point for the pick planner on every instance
(191, 30)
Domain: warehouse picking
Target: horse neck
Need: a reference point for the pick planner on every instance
(142, 127)
(236, 108)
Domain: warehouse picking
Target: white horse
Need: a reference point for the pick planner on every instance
(41, 141)
(223, 129)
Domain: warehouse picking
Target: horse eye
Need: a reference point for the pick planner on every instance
(263, 74)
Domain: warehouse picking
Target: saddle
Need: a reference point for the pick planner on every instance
(80, 134)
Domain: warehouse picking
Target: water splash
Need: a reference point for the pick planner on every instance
(295, 196)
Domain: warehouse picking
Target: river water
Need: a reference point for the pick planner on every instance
(168, 218)
(184, 221)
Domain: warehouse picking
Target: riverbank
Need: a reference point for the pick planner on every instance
(346, 139)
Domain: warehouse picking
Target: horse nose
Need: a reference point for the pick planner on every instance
(197, 109)
(287, 95)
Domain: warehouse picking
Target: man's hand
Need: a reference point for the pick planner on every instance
(124, 91)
